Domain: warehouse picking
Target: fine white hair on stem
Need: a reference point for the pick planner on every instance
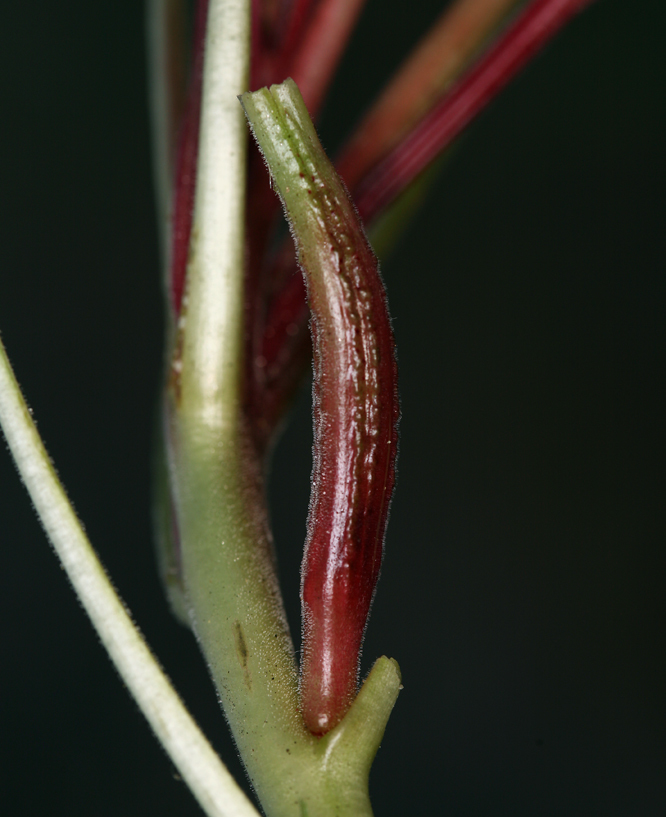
(203, 771)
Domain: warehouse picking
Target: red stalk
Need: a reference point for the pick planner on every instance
(355, 424)
(295, 14)
(355, 403)
(438, 59)
(320, 49)
(174, 71)
(531, 30)
(258, 48)
(310, 47)
(186, 165)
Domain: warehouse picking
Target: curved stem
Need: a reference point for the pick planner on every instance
(203, 771)
(355, 402)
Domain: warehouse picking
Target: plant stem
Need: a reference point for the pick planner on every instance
(166, 69)
(533, 27)
(313, 65)
(355, 402)
(435, 63)
(212, 344)
(231, 589)
(205, 774)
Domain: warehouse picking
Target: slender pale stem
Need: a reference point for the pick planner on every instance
(200, 767)
(212, 349)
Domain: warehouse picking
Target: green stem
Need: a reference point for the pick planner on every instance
(228, 568)
(200, 767)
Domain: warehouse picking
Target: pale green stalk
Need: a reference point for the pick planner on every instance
(212, 349)
(228, 569)
(200, 767)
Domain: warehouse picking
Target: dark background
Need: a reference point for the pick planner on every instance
(523, 587)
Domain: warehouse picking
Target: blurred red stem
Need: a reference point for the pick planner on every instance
(319, 49)
(435, 63)
(531, 30)
(186, 165)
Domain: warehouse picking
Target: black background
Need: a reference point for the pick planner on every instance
(523, 586)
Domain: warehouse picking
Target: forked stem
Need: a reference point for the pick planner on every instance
(228, 569)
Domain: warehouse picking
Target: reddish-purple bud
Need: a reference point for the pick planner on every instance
(355, 403)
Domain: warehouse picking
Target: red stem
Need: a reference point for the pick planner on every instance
(296, 13)
(186, 165)
(436, 62)
(319, 50)
(531, 30)
(310, 48)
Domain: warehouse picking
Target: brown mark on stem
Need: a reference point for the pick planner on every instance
(242, 652)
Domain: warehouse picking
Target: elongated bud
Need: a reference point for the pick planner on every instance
(355, 402)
